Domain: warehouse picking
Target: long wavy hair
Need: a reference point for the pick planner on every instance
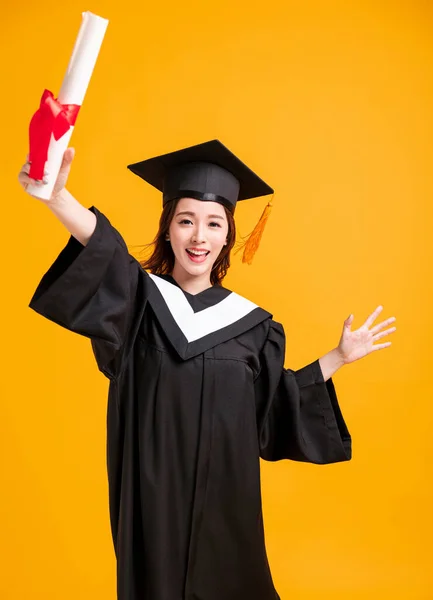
(161, 259)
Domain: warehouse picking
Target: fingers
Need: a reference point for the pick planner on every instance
(380, 326)
(381, 346)
(379, 336)
(23, 175)
(370, 320)
(25, 180)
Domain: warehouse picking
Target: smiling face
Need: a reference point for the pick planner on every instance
(197, 233)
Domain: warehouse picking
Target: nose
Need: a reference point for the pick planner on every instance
(198, 235)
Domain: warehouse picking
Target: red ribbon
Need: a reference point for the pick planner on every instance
(50, 118)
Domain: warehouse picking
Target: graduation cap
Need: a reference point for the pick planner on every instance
(209, 172)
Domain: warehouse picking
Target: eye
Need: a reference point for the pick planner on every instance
(214, 224)
(185, 222)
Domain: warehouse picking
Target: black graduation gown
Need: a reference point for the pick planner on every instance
(197, 394)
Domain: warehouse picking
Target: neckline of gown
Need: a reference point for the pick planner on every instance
(217, 315)
(204, 299)
(207, 291)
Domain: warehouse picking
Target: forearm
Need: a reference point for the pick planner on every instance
(330, 363)
(78, 220)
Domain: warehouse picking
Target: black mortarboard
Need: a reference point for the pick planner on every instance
(207, 171)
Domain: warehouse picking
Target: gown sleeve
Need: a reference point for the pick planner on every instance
(95, 291)
(299, 417)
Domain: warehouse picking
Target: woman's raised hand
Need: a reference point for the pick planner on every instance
(361, 342)
(25, 181)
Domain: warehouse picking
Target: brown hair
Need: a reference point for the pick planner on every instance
(161, 260)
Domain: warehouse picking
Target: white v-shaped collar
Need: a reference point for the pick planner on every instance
(209, 320)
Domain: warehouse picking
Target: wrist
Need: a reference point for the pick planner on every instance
(330, 363)
(59, 200)
(339, 357)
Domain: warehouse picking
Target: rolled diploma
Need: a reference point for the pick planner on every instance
(73, 90)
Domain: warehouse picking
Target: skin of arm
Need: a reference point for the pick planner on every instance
(330, 363)
(78, 220)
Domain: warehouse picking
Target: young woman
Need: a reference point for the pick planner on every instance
(198, 391)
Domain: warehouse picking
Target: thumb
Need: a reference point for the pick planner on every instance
(68, 157)
(348, 321)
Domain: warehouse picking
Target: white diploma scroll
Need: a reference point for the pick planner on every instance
(73, 90)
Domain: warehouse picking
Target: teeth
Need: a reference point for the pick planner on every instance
(197, 252)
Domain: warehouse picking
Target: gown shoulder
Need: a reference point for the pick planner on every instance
(98, 290)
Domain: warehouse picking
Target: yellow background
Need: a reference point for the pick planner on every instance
(331, 102)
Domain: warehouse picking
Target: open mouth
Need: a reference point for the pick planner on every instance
(197, 256)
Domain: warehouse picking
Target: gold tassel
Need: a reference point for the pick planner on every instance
(252, 241)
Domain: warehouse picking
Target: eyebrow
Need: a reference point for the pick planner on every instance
(191, 214)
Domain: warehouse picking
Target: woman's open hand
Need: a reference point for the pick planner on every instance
(359, 343)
